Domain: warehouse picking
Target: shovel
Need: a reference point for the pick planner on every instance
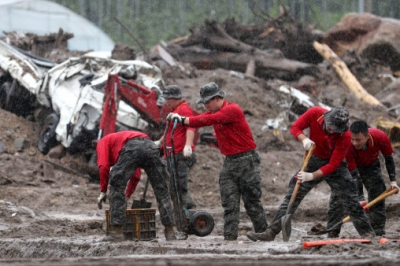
(382, 196)
(142, 203)
(286, 219)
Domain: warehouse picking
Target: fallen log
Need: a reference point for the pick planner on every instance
(210, 47)
(266, 66)
(344, 73)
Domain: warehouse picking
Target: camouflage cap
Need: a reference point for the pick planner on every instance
(337, 119)
(172, 92)
(209, 91)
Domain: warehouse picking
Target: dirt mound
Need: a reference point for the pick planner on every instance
(48, 206)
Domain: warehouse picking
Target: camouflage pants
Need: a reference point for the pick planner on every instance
(143, 153)
(371, 177)
(240, 177)
(341, 184)
(184, 166)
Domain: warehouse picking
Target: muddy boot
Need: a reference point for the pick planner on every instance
(267, 235)
(116, 234)
(333, 234)
(371, 236)
(170, 233)
(230, 238)
(380, 232)
(188, 201)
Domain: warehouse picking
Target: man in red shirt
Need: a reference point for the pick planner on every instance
(329, 132)
(126, 151)
(240, 174)
(363, 161)
(183, 140)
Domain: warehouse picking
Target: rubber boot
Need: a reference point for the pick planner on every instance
(116, 234)
(170, 233)
(371, 236)
(333, 234)
(230, 237)
(267, 235)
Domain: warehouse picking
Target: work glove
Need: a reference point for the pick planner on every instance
(157, 142)
(187, 151)
(363, 203)
(393, 185)
(172, 116)
(176, 117)
(307, 143)
(102, 198)
(168, 118)
(304, 176)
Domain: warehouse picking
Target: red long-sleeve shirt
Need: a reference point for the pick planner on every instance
(108, 149)
(333, 147)
(231, 128)
(182, 109)
(377, 142)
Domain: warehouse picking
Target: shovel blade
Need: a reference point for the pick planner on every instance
(319, 229)
(286, 227)
(141, 204)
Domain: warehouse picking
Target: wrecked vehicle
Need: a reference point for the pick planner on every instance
(68, 98)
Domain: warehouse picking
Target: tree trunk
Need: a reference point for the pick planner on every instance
(267, 66)
(344, 73)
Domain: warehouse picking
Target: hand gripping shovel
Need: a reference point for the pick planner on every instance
(285, 220)
(142, 203)
(382, 196)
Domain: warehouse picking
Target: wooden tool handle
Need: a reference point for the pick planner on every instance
(382, 196)
(307, 157)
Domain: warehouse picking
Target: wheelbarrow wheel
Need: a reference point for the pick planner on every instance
(201, 223)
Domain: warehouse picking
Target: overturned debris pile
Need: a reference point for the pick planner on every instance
(51, 46)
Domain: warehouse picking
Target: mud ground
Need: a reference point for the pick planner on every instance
(49, 215)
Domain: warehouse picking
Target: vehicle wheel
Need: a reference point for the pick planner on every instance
(201, 223)
(47, 137)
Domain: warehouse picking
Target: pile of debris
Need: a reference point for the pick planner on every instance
(281, 48)
(358, 55)
(53, 46)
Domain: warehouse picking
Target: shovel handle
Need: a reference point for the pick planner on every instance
(145, 188)
(382, 196)
(307, 156)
